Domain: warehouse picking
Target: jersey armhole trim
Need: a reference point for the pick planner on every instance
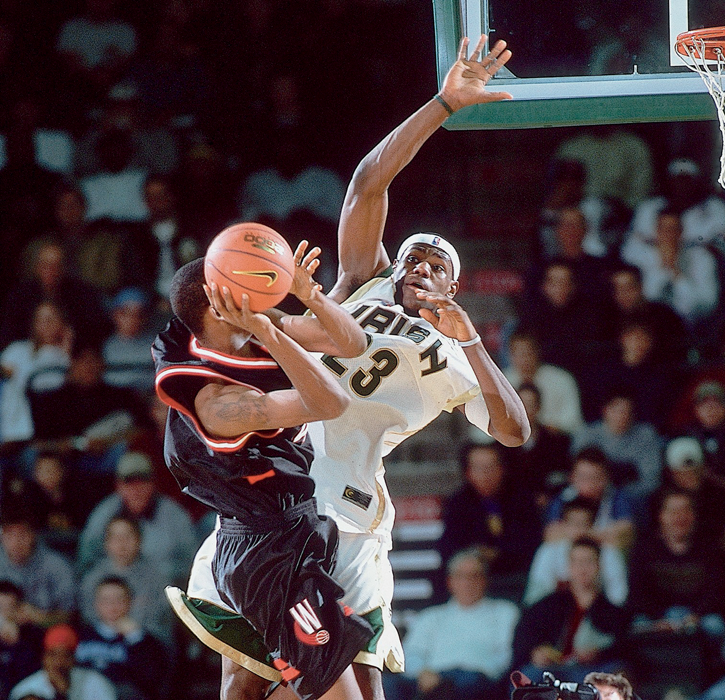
(215, 444)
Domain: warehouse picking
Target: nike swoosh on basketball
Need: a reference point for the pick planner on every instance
(271, 275)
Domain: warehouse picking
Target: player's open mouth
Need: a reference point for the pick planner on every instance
(415, 285)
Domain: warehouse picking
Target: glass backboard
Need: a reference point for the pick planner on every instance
(589, 62)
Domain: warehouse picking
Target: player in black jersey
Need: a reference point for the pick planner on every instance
(241, 390)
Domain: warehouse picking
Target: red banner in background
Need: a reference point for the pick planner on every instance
(410, 508)
(502, 282)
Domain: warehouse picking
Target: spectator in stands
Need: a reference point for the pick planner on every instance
(686, 471)
(50, 281)
(164, 242)
(563, 320)
(650, 382)
(290, 185)
(630, 306)
(708, 426)
(487, 513)
(573, 631)
(152, 147)
(95, 49)
(618, 163)
(687, 192)
(119, 647)
(94, 251)
(590, 480)
(167, 532)
(126, 352)
(68, 228)
(116, 190)
(566, 189)
(550, 567)
(145, 577)
(25, 193)
(34, 365)
(60, 677)
(541, 464)
(20, 642)
(560, 406)
(59, 504)
(150, 442)
(611, 686)
(88, 415)
(45, 577)
(683, 277)
(634, 449)
(462, 649)
(171, 77)
(676, 574)
(570, 228)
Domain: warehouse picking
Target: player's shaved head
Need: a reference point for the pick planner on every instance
(187, 296)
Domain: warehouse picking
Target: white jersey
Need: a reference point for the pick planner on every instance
(408, 375)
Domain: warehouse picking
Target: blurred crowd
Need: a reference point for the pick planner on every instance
(130, 134)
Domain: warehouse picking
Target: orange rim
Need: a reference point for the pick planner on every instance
(712, 38)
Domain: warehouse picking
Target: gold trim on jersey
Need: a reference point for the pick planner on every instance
(381, 507)
(462, 399)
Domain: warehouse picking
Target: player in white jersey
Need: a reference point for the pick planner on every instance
(424, 357)
(408, 375)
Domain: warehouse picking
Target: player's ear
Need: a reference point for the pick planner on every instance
(207, 291)
(453, 289)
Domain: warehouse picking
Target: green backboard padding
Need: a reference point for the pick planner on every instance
(526, 114)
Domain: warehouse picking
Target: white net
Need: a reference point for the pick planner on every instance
(702, 56)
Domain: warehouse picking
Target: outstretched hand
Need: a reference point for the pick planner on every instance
(465, 83)
(303, 286)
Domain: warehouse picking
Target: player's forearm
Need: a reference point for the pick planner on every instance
(509, 423)
(317, 388)
(347, 337)
(378, 169)
(365, 209)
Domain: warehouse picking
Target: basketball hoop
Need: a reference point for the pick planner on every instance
(705, 47)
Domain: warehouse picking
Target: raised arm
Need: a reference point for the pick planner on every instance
(365, 208)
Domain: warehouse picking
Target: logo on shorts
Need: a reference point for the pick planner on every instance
(307, 626)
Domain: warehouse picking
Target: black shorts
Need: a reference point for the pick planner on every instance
(279, 580)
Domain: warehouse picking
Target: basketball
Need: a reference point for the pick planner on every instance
(251, 259)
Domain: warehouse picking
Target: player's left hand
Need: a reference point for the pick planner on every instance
(449, 317)
(465, 83)
(303, 286)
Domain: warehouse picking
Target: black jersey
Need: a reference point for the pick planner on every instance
(252, 476)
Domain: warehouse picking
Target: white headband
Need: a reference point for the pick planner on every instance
(432, 239)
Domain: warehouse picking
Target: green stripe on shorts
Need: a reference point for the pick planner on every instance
(230, 628)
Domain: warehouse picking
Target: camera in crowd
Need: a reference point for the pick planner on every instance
(550, 688)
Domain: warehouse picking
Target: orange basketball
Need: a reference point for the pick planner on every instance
(251, 259)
